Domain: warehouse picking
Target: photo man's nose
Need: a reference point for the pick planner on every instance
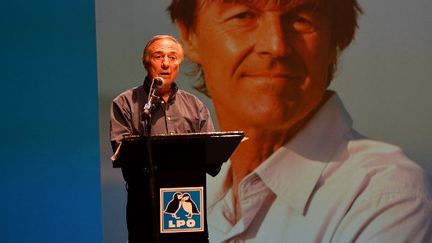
(272, 39)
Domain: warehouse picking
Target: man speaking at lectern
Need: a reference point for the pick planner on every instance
(170, 110)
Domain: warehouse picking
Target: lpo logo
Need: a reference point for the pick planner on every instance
(182, 209)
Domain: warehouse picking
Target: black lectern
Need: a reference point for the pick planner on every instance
(167, 202)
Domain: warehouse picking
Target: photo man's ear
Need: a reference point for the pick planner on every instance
(189, 43)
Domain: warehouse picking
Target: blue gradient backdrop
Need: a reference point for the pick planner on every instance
(49, 147)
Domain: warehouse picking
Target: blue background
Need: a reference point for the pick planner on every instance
(49, 149)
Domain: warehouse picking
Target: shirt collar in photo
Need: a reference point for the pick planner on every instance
(293, 171)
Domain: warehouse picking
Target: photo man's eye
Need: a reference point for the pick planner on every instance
(244, 15)
(243, 18)
(302, 24)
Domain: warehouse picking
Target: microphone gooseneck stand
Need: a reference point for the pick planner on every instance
(152, 168)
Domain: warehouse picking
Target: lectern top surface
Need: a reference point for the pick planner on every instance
(190, 135)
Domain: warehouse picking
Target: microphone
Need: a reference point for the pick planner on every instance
(157, 82)
(155, 85)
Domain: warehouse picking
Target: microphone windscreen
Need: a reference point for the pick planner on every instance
(158, 82)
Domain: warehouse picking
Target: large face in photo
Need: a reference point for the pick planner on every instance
(265, 64)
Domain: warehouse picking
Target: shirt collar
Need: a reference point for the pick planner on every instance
(293, 171)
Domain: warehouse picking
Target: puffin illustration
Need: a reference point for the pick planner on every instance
(174, 205)
(189, 206)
